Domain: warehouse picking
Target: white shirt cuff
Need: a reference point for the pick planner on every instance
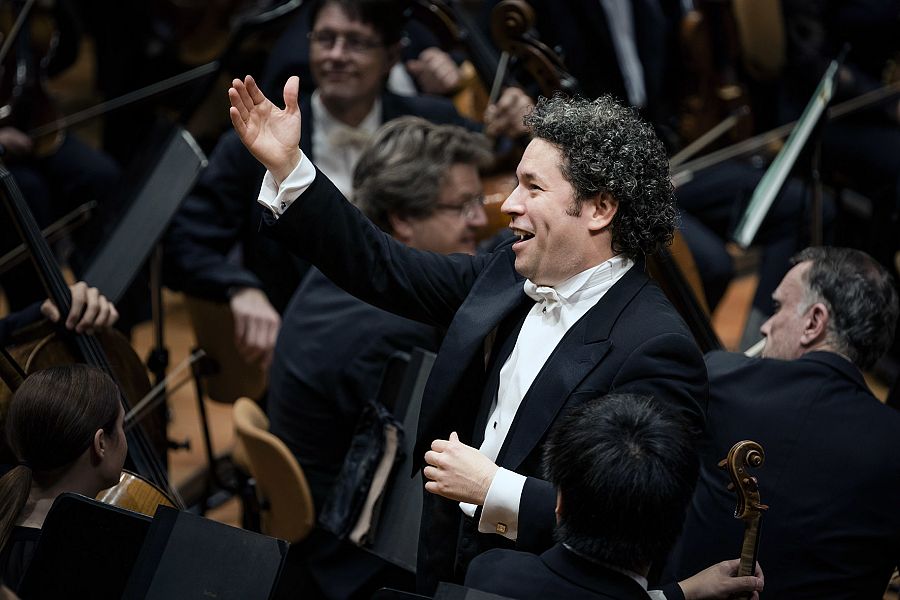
(500, 514)
(278, 198)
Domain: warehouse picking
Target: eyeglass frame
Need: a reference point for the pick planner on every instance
(353, 43)
(468, 209)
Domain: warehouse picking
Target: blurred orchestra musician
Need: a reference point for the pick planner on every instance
(58, 172)
(353, 45)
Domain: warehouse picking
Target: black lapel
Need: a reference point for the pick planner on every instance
(576, 355)
(497, 292)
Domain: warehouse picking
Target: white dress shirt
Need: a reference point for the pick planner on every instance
(337, 146)
(556, 310)
(544, 327)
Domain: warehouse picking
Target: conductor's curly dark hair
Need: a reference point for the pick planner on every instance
(606, 147)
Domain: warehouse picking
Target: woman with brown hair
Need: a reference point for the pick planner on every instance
(65, 427)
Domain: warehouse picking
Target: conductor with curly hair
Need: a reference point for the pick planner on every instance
(560, 314)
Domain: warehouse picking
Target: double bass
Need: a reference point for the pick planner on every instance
(149, 486)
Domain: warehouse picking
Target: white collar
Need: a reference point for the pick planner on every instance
(599, 275)
(326, 122)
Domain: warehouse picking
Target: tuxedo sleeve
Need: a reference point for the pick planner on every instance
(537, 515)
(670, 369)
(320, 226)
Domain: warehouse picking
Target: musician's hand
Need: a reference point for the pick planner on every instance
(505, 117)
(719, 582)
(457, 471)
(271, 134)
(435, 72)
(16, 143)
(90, 312)
(256, 325)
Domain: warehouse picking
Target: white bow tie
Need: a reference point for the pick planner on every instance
(544, 295)
(349, 137)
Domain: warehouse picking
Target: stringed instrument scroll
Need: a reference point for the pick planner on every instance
(742, 456)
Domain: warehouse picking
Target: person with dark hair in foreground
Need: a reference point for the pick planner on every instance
(560, 314)
(65, 427)
(624, 471)
(832, 470)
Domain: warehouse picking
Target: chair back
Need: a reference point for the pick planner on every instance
(760, 29)
(234, 377)
(287, 505)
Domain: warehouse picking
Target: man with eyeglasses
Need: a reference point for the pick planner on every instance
(418, 182)
(353, 44)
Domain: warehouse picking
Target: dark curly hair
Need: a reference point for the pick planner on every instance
(608, 148)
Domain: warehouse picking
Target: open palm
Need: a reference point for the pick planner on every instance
(271, 134)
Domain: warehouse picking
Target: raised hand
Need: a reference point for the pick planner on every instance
(271, 134)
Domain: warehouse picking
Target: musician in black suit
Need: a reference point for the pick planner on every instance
(557, 316)
(832, 470)
(354, 46)
(624, 470)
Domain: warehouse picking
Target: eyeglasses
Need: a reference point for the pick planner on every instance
(468, 209)
(326, 40)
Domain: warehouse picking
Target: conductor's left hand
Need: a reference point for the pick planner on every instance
(271, 134)
(458, 472)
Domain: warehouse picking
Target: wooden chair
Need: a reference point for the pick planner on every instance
(286, 504)
(232, 377)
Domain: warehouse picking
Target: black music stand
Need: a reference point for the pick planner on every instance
(188, 556)
(164, 185)
(87, 550)
(770, 185)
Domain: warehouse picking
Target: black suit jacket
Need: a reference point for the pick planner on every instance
(557, 573)
(831, 477)
(222, 212)
(631, 341)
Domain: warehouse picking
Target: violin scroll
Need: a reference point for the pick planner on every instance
(512, 27)
(744, 455)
